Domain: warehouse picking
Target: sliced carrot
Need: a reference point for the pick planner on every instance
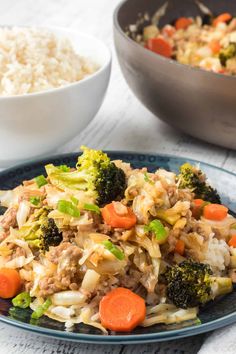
(110, 216)
(197, 208)
(180, 247)
(168, 31)
(215, 212)
(122, 310)
(183, 23)
(225, 17)
(215, 46)
(232, 241)
(10, 283)
(160, 46)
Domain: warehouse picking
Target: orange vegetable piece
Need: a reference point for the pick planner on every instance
(215, 212)
(215, 46)
(197, 208)
(160, 46)
(122, 310)
(225, 17)
(10, 283)
(180, 247)
(183, 23)
(232, 241)
(113, 219)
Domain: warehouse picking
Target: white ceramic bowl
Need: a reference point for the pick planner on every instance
(35, 124)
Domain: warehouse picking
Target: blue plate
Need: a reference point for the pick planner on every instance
(215, 315)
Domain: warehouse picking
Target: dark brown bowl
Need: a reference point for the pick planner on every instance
(198, 102)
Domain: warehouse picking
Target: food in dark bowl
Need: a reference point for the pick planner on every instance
(199, 102)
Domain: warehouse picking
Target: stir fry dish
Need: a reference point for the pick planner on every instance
(205, 42)
(115, 247)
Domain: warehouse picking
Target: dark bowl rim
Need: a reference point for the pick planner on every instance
(159, 57)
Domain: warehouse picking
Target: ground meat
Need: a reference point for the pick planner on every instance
(172, 239)
(68, 274)
(105, 229)
(68, 235)
(9, 219)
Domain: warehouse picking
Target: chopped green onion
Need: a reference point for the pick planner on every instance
(198, 321)
(147, 179)
(40, 180)
(40, 310)
(64, 168)
(158, 229)
(69, 208)
(74, 200)
(22, 300)
(35, 200)
(114, 250)
(92, 207)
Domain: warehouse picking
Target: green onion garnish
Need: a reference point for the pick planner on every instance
(74, 200)
(35, 200)
(40, 310)
(69, 208)
(22, 300)
(92, 207)
(40, 180)
(147, 179)
(158, 229)
(114, 250)
(64, 168)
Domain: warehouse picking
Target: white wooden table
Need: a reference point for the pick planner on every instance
(122, 123)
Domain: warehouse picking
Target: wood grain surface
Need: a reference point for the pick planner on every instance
(122, 123)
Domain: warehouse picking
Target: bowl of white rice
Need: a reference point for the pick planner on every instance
(52, 83)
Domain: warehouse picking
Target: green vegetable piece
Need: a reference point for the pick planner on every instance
(158, 229)
(40, 310)
(35, 200)
(22, 300)
(74, 200)
(95, 173)
(64, 168)
(147, 179)
(69, 208)
(92, 207)
(40, 180)
(191, 177)
(227, 53)
(190, 284)
(114, 250)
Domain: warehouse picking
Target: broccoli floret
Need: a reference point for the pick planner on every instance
(191, 284)
(194, 179)
(50, 235)
(41, 232)
(94, 174)
(227, 53)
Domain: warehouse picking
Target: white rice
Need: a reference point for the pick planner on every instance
(33, 60)
(217, 255)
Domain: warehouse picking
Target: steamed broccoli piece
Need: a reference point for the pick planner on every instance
(194, 179)
(227, 53)
(191, 284)
(41, 232)
(95, 174)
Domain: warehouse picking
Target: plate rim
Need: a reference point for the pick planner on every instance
(119, 338)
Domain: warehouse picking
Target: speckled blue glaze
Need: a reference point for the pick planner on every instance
(215, 315)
